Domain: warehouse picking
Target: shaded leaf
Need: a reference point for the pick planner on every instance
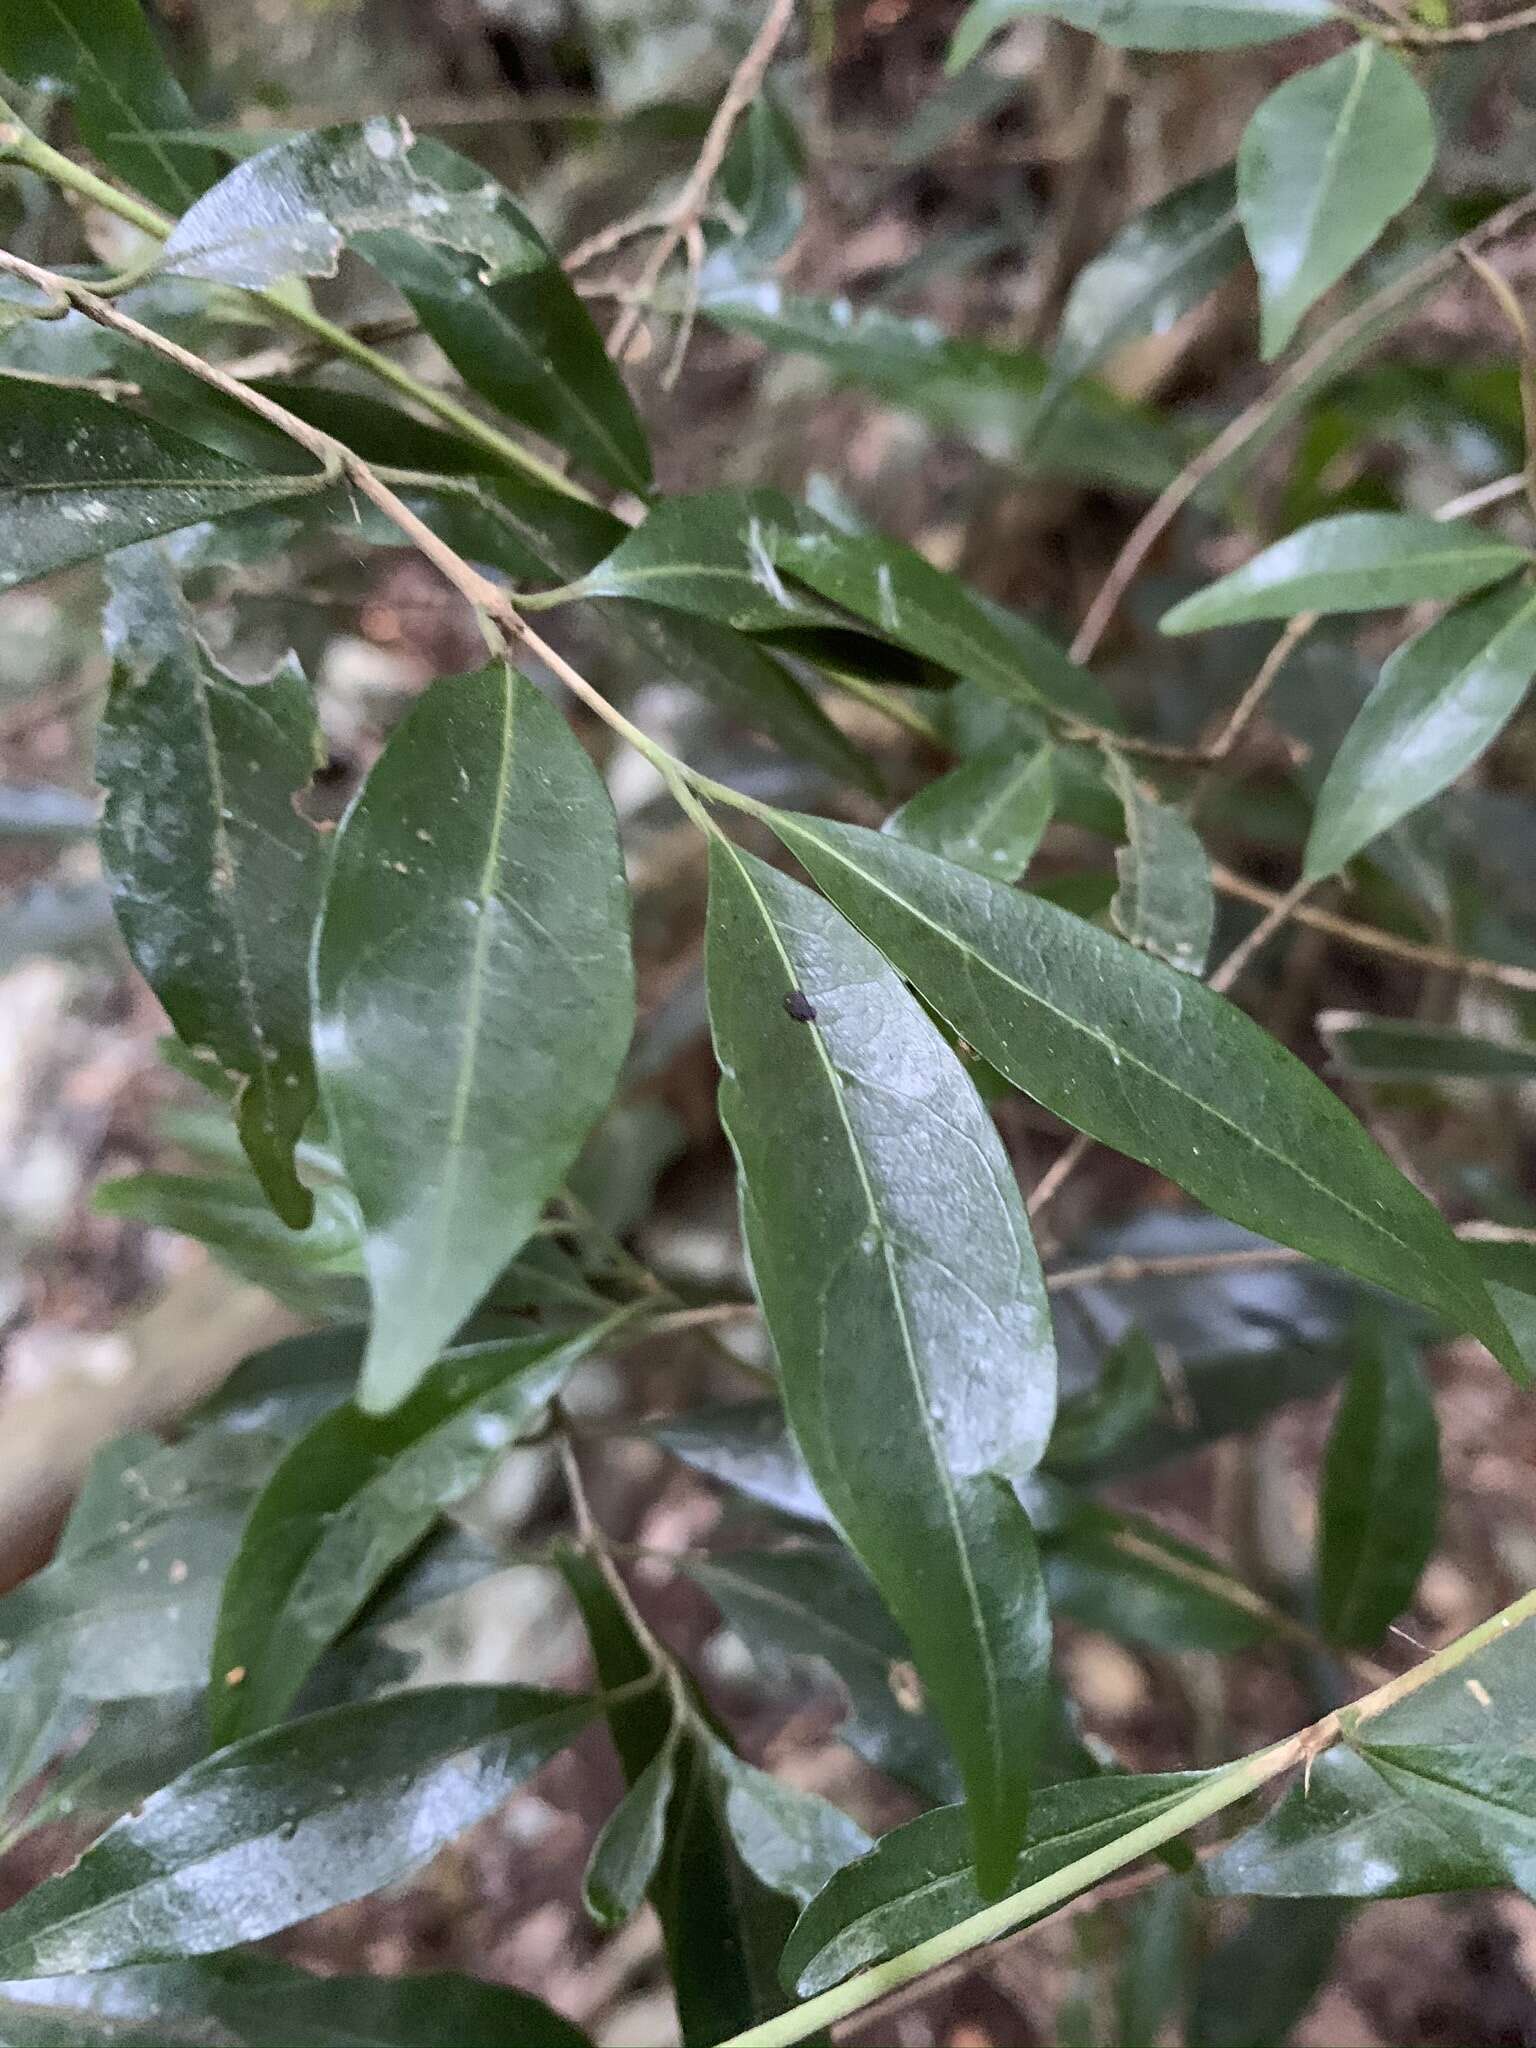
(255, 2002)
(1094, 1424)
(287, 1824)
(1358, 562)
(917, 1880)
(355, 1495)
(1153, 1974)
(989, 814)
(1148, 24)
(1403, 1049)
(625, 1855)
(1165, 903)
(1150, 1062)
(1441, 702)
(216, 877)
(1132, 1580)
(900, 1286)
(103, 53)
(80, 477)
(746, 1445)
(792, 1841)
(1252, 1990)
(1327, 160)
(482, 280)
(1380, 1492)
(474, 999)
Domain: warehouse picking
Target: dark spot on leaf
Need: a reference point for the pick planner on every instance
(799, 1006)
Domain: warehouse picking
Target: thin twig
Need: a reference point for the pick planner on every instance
(1280, 912)
(1057, 1174)
(1251, 422)
(688, 209)
(1247, 706)
(1420, 38)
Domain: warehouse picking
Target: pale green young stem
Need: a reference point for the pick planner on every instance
(18, 144)
(1225, 1788)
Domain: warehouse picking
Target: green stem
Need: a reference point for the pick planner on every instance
(1222, 1790)
(18, 144)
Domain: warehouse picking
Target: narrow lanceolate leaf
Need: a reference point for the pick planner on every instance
(1150, 1062)
(1093, 1425)
(989, 814)
(104, 54)
(1381, 1492)
(1324, 164)
(1357, 562)
(917, 1880)
(474, 999)
(1252, 1990)
(1162, 262)
(287, 1824)
(1166, 903)
(1442, 700)
(254, 2002)
(893, 1260)
(216, 877)
(1132, 1580)
(80, 477)
(354, 1496)
(626, 1853)
(1368, 1826)
(1148, 24)
(792, 1841)
(1403, 1049)
(483, 281)
(1484, 1800)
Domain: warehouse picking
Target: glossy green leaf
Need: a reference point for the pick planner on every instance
(792, 1841)
(814, 1602)
(901, 1290)
(1162, 263)
(103, 53)
(287, 1824)
(354, 1496)
(1165, 903)
(1252, 1990)
(256, 2002)
(1356, 1831)
(474, 999)
(1150, 1062)
(480, 277)
(1148, 24)
(1403, 1049)
(991, 396)
(989, 814)
(80, 477)
(1380, 1493)
(917, 1880)
(1327, 160)
(1094, 1424)
(1483, 1799)
(1358, 562)
(1442, 700)
(1509, 1274)
(216, 876)
(627, 1851)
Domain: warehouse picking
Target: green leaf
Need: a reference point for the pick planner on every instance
(917, 1880)
(255, 2002)
(1147, 24)
(627, 1851)
(1153, 1974)
(474, 999)
(898, 1281)
(1326, 161)
(1253, 1990)
(286, 1824)
(103, 53)
(1162, 263)
(1380, 1494)
(216, 877)
(815, 1602)
(791, 1841)
(1403, 1049)
(1165, 903)
(80, 477)
(1150, 1062)
(1481, 1798)
(1094, 1424)
(1130, 1579)
(1358, 562)
(1359, 1831)
(353, 1497)
(482, 280)
(1441, 702)
(989, 814)
(1509, 1274)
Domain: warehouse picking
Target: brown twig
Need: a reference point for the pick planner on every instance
(1251, 422)
(1418, 37)
(1280, 912)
